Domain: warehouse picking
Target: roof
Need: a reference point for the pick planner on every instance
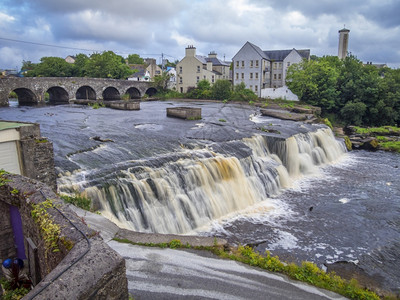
(280, 55)
(216, 62)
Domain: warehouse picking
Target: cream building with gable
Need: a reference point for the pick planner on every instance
(193, 68)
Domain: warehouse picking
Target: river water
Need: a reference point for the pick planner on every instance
(293, 190)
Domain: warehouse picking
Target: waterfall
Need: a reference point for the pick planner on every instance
(187, 192)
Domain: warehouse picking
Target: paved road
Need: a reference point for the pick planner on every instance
(155, 273)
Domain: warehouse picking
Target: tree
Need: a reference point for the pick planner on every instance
(160, 82)
(107, 65)
(135, 59)
(353, 112)
(52, 67)
(221, 89)
(241, 93)
(79, 66)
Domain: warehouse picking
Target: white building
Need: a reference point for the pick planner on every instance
(260, 69)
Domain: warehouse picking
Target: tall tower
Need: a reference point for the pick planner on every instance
(343, 43)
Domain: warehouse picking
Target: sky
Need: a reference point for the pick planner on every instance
(31, 29)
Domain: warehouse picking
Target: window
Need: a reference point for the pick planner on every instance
(158, 72)
(237, 75)
(251, 87)
(274, 76)
(251, 75)
(242, 63)
(180, 79)
(242, 75)
(237, 64)
(288, 63)
(251, 64)
(256, 75)
(256, 88)
(212, 79)
(197, 79)
(275, 66)
(280, 65)
(180, 70)
(204, 77)
(257, 63)
(279, 76)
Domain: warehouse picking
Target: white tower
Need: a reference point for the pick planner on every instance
(343, 43)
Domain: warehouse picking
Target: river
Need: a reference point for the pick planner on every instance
(292, 190)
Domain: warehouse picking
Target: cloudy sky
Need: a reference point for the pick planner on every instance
(30, 29)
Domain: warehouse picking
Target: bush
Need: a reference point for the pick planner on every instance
(78, 200)
(221, 90)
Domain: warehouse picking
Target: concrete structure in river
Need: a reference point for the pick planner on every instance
(63, 89)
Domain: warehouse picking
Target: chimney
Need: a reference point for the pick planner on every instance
(191, 51)
(212, 54)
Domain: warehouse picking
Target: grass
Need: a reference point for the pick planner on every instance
(377, 130)
(78, 200)
(391, 146)
(222, 120)
(96, 105)
(306, 272)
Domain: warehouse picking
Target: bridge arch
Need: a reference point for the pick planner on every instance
(133, 92)
(151, 91)
(58, 95)
(111, 93)
(25, 96)
(85, 92)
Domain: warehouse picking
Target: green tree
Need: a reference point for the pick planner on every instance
(160, 82)
(201, 91)
(52, 67)
(353, 112)
(241, 93)
(135, 59)
(79, 66)
(221, 89)
(107, 65)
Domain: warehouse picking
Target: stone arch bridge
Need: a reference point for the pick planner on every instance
(31, 90)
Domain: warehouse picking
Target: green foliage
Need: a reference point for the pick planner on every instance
(96, 105)
(328, 123)
(358, 94)
(135, 59)
(160, 82)
(378, 130)
(107, 65)
(126, 97)
(78, 200)
(241, 93)
(391, 146)
(51, 67)
(3, 180)
(348, 143)
(222, 120)
(48, 229)
(221, 89)
(202, 91)
(13, 95)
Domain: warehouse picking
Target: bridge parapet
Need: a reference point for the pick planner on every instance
(64, 89)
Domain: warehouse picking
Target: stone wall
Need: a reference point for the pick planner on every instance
(81, 265)
(7, 248)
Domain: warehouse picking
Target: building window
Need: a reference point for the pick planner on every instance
(242, 75)
(280, 65)
(251, 87)
(288, 63)
(256, 63)
(242, 63)
(212, 79)
(181, 89)
(180, 70)
(251, 64)
(237, 75)
(256, 88)
(204, 77)
(197, 79)
(275, 66)
(256, 75)
(279, 76)
(274, 76)
(237, 64)
(180, 79)
(251, 75)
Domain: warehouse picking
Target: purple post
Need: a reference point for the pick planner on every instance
(16, 223)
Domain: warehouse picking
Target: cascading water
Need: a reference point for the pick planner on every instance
(181, 194)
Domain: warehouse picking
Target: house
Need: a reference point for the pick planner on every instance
(193, 68)
(260, 69)
(141, 74)
(152, 67)
(70, 59)
(171, 71)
